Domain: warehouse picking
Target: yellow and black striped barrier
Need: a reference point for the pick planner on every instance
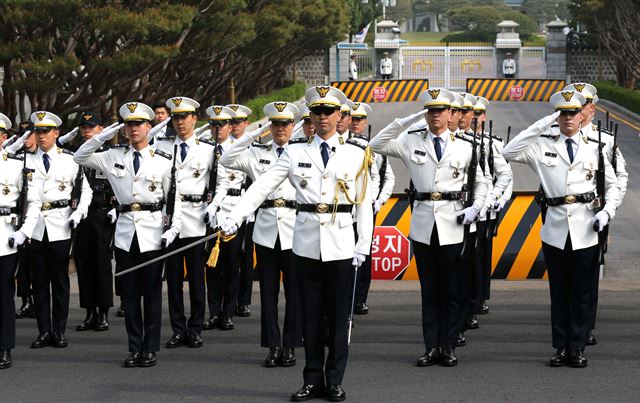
(517, 249)
(383, 90)
(498, 89)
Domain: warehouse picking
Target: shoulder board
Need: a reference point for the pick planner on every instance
(463, 137)
(259, 145)
(166, 138)
(125, 146)
(299, 140)
(19, 157)
(205, 141)
(418, 131)
(550, 136)
(555, 125)
(591, 139)
(486, 135)
(355, 143)
(360, 137)
(103, 148)
(67, 151)
(604, 130)
(163, 154)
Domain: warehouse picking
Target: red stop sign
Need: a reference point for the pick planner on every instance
(516, 92)
(390, 253)
(379, 93)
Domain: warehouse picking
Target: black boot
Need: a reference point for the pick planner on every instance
(90, 321)
(27, 310)
(120, 311)
(5, 359)
(103, 320)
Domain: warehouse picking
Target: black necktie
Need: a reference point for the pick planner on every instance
(45, 161)
(325, 153)
(279, 151)
(436, 146)
(570, 149)
(219, 149)
(183, 151)
(136, 162)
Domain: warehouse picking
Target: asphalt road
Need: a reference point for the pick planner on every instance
(504, 360)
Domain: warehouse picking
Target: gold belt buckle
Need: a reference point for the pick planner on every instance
(279, 202)
(322, 208)
(181, 198)
(46, 206)
(570, 199)
(435, 196)
(135, 207)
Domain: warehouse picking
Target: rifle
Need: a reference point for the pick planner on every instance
(600, 190)
(210, 190)
(75, 201)
(411, 192)
(508, 134)
(171, 196)
(467, 188)
(21, 207)
(614, 157)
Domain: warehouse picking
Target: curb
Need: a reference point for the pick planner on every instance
(621, 110)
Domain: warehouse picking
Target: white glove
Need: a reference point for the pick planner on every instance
(259, 131)
(483, 211)
(156, 129)
(358, 259)
(108, 134)
(500, 203)
(468, 215)
(406, 121)
(112, 215)
(74, 219)
(210, 212)
(377, 205)
(547, 121)
(168, 237)
(201, 130)
(17, 239)
(600, 220)
(298, 126)
(229, 227)
(67, 138)
(17, 145)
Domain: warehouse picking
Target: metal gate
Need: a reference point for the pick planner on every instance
(532, 63)
(447, 67)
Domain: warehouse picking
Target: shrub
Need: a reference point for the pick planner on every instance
(630, 99)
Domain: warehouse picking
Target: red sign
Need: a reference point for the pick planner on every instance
(516, 92)
(379, 93)
(390, 253)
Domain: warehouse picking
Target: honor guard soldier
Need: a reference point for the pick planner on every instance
(331, 179)
(239, 123)
(15, 228)
(194, 161)
(618, 164)
(567, 165)
(382, 182)
(222, 280)
(141, 179)
(161, 115)
(65, 194)
(442, 170)
(92, 251)
(345, 121)
(273, 234)
(307, 126)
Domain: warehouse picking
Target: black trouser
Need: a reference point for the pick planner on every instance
(364, 273)
(472, 274)
(23, 277)
(488, 260)
(442, 278)
(325, 289)
(594, 297)
(245, 283)
(194, 258)
(7, 304)
(50, 278)
(222, 280)
(92, 255)
(146, 283)
(570, 285)
(272, 262)
(386, 76)
(479, 267)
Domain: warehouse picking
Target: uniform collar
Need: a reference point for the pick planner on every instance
(189, 141)
(332, 141)
(444, 136)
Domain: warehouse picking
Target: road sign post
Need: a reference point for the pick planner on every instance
(390, 253)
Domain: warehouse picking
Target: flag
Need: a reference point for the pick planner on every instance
(359, 37)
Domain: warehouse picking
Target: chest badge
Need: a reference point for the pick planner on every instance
(589, 175)
(196, 174)
(5, 191)
(62, 187)
(303, 183)
(232, 177)
(456, 173)
(152, 187)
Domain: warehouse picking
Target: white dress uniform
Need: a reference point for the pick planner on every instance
(142, 225)
(435, 232)
(323, 243)
(569, 242)
(273, 236)
(386, 67)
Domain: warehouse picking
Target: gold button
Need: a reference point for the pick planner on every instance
(279, 218)
(45, 191)
(135, 221)
(321, 222)
(135, 179)
(134, 193)
(570, 214)
(325, 176)
(324, 193)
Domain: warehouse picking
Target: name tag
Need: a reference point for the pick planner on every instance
(265, 161)
(304, 164)
(420, 152)
(120, 166)
(548, 154)
(100, 175)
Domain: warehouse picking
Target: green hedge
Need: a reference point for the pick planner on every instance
(289, 94)
(621, 96)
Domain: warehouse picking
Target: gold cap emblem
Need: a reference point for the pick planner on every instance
(434, 93)
(280, 106)
(234, 107)
(322, 91)
(567, 95)
(217, 110)
(579, 87)
(356, 105)
(40, 115)
(87, 117)
(176, 101)
(132, 107)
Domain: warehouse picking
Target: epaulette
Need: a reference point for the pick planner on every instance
(493, 137)
(604, 130)
(355, 143)
(360, 137)
(418, 131)
(591, 139)
(19, 157)
(103, 148)
(260, 145)
(166, 138)
(555, 125)
(123, 145)
(299, 140)
(162, 154)
(65, 151)
(550, 136)
(462, 137)
(205, 141)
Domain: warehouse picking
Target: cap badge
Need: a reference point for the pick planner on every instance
(579, 87)
(176, 101)
(322, 91)
(217, 110)
(87, 117)
(40, 115)
(280, 106)
(356, 105)
(24, 125)
(233, 107)
(132, 107)
(434, 93)
(567, 95)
